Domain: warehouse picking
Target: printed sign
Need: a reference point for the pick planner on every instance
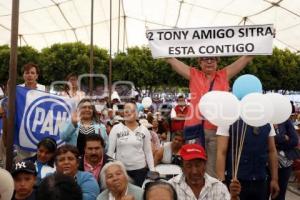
(211, 41)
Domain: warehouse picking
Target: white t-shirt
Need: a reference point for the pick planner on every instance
(224, 131)
(38, 87)
(133, 148)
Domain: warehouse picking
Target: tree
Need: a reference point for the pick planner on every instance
(26, 54)
(4, 63)
(138, 66)
(280, 71)
(61, 59)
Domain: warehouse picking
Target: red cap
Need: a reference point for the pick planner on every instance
(192, 151)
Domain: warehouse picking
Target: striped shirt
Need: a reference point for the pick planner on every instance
(212, 190)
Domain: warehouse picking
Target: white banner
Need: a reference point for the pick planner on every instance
(211, 41)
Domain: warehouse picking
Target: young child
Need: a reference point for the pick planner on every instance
(24, 175)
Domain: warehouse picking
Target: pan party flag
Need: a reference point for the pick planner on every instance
(38, 115)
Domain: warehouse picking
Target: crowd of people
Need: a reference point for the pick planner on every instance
(112, 147)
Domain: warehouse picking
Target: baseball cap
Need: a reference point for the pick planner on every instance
(23, 166)
(192, 151)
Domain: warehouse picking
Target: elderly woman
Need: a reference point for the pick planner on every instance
(66, 161)
(131, 142)
(159, 190)
(83, 122)
(116, 181)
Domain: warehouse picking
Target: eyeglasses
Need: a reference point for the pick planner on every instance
(129, 111)
(206, 59)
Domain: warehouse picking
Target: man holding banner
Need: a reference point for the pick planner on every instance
(208, 44)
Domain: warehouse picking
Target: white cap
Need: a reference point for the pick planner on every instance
(180, 95)
(115, 95)
(145, 123)
(117, 119)
(1, 92)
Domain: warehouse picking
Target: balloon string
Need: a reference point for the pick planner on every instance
(239, 150)
(232, 152)
(244, 129)
(236, 147)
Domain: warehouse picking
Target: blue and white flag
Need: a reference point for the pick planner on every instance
(38, 115)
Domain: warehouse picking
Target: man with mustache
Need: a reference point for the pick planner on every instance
(94, 155)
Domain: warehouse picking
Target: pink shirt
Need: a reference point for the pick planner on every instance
(94, 170)
(199, 85)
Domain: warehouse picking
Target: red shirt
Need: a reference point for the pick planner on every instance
(199, 85)
(177, 125)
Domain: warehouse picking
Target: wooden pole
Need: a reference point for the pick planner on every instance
(110, 53)
(12, 83)
(91, 50)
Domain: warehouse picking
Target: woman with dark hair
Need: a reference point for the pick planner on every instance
(59, 187)
(159, 190)
(84, 122)
(67, 162)
(44, 158)
(169, 152)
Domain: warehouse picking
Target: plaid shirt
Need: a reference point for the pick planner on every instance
(212, 190)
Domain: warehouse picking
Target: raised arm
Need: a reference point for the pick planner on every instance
(158, 156)
(112, 142)
(148, 151)
(237, 66)
(179, 67)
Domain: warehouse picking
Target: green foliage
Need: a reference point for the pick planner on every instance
(4, 63)
(26, 54)
(281, 71)
(61, 59)
(138, 66)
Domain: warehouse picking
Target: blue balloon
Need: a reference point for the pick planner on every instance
(246, 84)
(140, 107)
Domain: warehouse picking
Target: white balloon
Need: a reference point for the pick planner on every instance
(220, 108)
(147, 102)
(282, 107)
(256, 109)
(7, 184)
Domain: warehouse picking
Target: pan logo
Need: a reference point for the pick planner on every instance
(44, 117)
